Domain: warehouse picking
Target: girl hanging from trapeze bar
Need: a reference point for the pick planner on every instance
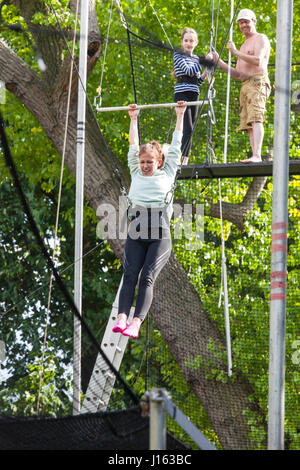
(148, 245)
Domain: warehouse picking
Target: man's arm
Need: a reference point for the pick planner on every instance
(261, 49)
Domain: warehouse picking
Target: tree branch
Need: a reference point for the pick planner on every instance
(25, 85)
(48, 42)
(236, 213)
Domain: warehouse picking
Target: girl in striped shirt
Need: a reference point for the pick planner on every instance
(187, 70)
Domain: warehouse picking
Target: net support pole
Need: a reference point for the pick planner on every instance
(80, 154)
(276, 394)
(158, 433)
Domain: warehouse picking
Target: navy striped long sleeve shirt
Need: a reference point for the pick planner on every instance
(188, 66)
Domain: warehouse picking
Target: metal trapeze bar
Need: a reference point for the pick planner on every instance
(233, 170)
(151, 106)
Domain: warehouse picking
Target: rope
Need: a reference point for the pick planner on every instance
(122, 17)
(210, 94)
(155, 13)
(125, 24)
(104, 59)
(78, 74)
(228, 91)
(211, 120)
(131, 64)
(208, 99)
(147, 352)
(224, 266)
(210, 149)
(224, 284)
(217, 23)
(215, 67)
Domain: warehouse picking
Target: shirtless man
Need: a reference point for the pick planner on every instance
(252, 70)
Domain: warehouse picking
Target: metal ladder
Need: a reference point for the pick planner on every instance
(102, 379)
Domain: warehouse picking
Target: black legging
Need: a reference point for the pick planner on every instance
(147, 256)
(188, 120)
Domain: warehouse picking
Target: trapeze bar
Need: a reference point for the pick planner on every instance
(233, 170)
(151, 106)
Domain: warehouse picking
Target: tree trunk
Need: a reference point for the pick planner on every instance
(199, 349)
(177, 308)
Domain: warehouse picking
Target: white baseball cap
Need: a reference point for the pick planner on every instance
(246, 14)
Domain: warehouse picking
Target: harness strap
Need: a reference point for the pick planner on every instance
(187, 79)
(123, 190)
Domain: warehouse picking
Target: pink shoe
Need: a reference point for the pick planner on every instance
(132, 330)
(120, 326)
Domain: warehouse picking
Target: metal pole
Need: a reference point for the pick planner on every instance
(80, 151)
(279, 225)
(157, 420)
(228, 87)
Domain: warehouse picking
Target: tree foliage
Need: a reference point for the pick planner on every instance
(24, 277)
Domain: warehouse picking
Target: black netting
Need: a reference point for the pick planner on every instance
(117, 430)
(247, 216)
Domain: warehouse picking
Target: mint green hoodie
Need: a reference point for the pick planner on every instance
(151, 191)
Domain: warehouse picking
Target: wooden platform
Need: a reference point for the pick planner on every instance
(233, 170)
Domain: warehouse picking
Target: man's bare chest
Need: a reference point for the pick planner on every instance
(248, 47)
